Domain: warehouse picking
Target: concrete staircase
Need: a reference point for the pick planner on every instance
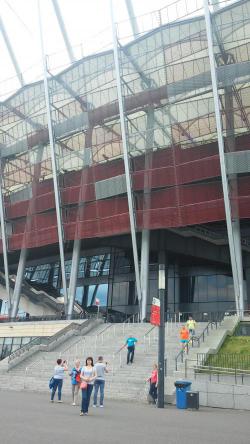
(123, 381)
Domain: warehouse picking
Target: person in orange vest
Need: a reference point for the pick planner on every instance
(184, 336)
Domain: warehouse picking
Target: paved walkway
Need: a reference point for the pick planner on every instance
(30, 419)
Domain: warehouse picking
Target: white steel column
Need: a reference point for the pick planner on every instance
(18, 283)
(53, 163)
(4, 240)
(132, 215)
(145, 239)
(145, 242)
(63, 31)
(74, 275)
(232, 247)
(238, 253)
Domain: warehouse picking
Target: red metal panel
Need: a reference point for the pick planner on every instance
(17, 209)
(34, 239)
(166, 176)
(71, 194)
(45, 202)
(98, 228)
(178, 217)
(44, 187)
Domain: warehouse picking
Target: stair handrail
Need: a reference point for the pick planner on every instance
(46, 341)
(194, 339)
(147, 335)
(119, 354)
(132, 319)
(103, 332)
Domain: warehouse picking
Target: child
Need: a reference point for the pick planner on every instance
(75, 381)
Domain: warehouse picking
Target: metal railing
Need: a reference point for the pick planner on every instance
(56, 317)
(230, 360)
(79, 349)
(217, 373)
(196, 341)
(10, 344)
(121, 317)
(45, 341)
(118, 354)
(132, 319)
(17, 353)
(147, 338)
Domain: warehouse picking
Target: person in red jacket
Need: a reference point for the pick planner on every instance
(153, 383)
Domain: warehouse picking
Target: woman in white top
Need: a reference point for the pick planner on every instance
(59, 370)
(88, 376)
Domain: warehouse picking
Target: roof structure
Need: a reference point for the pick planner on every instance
(166, 68)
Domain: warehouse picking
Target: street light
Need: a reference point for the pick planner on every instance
(161, 338)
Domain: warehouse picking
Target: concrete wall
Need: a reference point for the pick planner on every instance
(226, 396)
(26, 305)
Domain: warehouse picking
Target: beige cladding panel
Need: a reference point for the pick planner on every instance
(29, 330)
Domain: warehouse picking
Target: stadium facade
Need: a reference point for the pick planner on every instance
(127, 153)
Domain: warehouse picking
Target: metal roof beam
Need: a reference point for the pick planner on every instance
(63, 31)
(132, 18)
(11, 52)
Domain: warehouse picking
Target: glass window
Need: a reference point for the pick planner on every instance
(68, 268)
(202, 283)
(230, 288)
(122, 265)
(82, 267)
(56, 272)
(98, 291)
(222, 287)
(120, 294)
(99, 265)
(79, 295)
(212, 289)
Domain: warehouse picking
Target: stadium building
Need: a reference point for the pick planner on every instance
(128, 154)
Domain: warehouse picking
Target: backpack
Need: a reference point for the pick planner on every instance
(78, 378)
(51, 383)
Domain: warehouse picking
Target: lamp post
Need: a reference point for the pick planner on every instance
(161, 337)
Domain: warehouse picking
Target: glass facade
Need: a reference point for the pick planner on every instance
(189, 289)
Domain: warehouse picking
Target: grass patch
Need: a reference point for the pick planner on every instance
(234, 353)
(236, 344)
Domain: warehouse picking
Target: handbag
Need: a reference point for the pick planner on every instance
(83, 385)
(51, 383)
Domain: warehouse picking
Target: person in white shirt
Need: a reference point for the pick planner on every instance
(88, 376)
(59, 371)
(100, 369)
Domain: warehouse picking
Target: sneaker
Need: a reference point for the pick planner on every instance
(59, 400)
(101, 406)
(94, 405)
(52, 400)
(86, 414)
(81, 414)
(73, 403)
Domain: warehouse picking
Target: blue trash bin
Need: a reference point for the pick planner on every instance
(181, 389)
